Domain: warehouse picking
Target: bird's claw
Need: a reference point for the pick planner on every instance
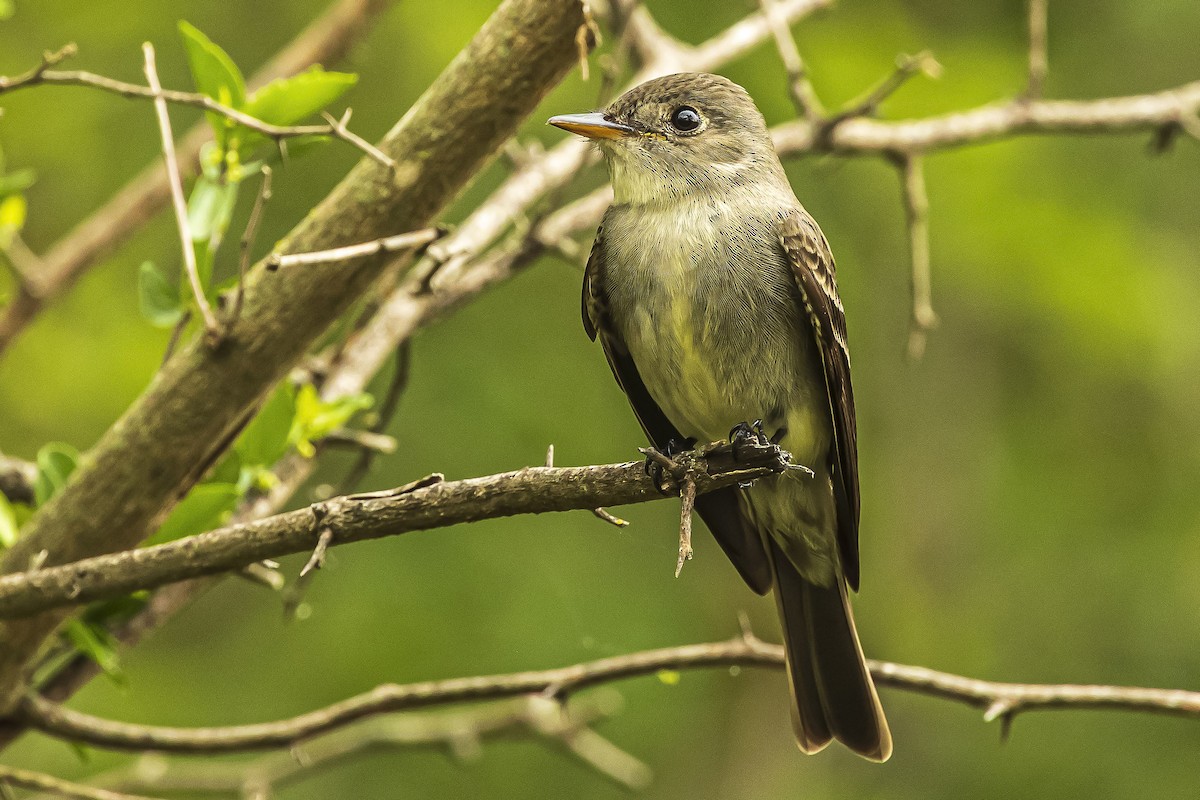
(745, 434)
(659, 461)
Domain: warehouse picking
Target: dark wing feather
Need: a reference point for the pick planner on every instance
(812, 264)
(720, 510)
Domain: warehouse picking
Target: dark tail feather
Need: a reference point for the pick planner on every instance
(834, 695)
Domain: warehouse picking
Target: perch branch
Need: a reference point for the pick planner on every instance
(430, 503)
(995, 698)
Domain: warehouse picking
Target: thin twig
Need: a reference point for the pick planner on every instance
(323, 41)
(610, 518)
(368, 441)
(389, 244)
(176, 333)
(906, 67)
(1038, 63)
(916, 209)
(804, 96)
(383, 417)
(687, 502)
(339, 130)
(40, 782)
(211, 327)
(276, 133)
(743, 650)
(247, 246)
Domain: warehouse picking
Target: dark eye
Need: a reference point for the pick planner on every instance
(685, 119)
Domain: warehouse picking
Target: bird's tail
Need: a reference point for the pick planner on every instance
(832, 691)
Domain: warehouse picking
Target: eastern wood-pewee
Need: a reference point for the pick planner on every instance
(712, 292)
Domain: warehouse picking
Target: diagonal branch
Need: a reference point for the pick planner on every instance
(998, 699)
(429, 503)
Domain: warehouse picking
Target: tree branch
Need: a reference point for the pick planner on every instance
(201, 398)
(429, 503)
(460, 733)
(277, 133)
(39, 782)
(746, 650)
(1141, 113)
(326, 40)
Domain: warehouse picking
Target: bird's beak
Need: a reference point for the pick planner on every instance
(593, 126)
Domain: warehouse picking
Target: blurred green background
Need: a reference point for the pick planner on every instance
(1030, 505)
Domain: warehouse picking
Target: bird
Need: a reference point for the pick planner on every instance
(713, 294)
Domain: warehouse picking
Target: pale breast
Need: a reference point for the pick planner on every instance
(703, 298)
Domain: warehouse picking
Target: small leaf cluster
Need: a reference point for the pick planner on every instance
(230, 160)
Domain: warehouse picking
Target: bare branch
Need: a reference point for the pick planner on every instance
(177, 199)
(339, 129)
(906, 67)
(276, 133)
(916, 210)
(460, 733)
(389, 244)
(804, 96)
(1038, 63)
(611, 519)
(426, 504)
(997, 699)
(39, 782)
(1115, 115)
(326, 39)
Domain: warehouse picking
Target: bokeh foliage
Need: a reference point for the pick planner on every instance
(1030, 508)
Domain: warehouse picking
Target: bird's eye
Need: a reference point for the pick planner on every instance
(685, 119)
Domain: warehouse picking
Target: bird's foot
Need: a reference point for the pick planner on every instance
(747, 434)
(661, 465)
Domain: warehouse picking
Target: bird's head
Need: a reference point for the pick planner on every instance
(679, 135)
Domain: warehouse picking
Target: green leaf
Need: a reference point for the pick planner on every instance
(203, 509)
(210, 208)
(286, 101)
(265, 439)
(296, 147)
(12, 218)
(315, 418)
(15, 182)
(8, 524)
(6, 9)
(214, 74)
(55, 461)
(158, 300)
(97, 644)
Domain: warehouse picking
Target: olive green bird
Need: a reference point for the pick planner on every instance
(712, 292)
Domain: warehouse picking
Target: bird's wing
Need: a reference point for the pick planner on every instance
(812, 264)
(720, 509)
